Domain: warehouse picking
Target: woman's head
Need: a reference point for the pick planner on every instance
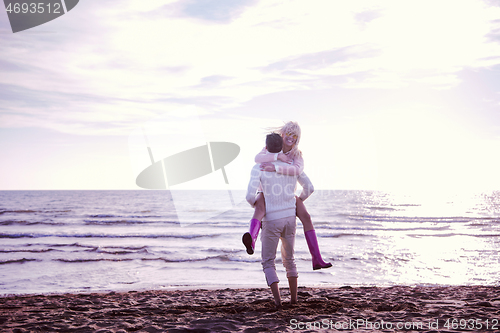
(290, 132)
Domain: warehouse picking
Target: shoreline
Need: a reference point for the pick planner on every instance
(212, 287)
(358, 309)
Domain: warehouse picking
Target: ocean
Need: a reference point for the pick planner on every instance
(96, 241)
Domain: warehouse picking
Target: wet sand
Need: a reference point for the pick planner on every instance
(359, 309)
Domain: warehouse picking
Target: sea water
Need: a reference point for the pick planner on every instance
(87, 241)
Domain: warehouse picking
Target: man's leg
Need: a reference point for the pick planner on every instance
(293, 286)
(270, 238)
(276, 293)
(287, 256)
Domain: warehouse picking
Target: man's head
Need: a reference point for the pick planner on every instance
(274, 143)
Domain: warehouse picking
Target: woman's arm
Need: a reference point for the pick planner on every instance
(266, 157)
(292, 169)
(307, 186)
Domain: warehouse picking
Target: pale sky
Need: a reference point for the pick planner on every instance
(390, 94)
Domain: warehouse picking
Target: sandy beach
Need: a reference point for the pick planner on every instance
(359, 309)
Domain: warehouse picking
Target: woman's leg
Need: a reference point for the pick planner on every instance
(250, 237)
(260, 207)
(310, 234)
(303, 215)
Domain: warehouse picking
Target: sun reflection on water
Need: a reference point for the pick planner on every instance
(437, 238)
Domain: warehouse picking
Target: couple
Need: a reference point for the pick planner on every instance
(276, 204)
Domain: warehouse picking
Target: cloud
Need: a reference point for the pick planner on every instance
(207, 102)
(494, 35)
(340, 67)
(202, 11)
(220, 11)
(212, 81)
(320, 60)
(367, 16)
(143, 58)
(7, 66)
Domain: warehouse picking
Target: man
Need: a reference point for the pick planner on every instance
(279, 222)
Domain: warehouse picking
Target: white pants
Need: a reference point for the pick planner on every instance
(272, 232)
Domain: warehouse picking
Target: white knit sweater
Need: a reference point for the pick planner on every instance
(279, 191)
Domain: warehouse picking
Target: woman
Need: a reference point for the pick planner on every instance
(290, 133)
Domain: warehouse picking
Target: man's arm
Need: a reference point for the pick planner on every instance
(253, 184)
(307, 186)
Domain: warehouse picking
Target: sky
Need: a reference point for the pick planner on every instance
(390, 95)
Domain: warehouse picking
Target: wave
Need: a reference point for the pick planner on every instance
(382, 208)
(30, 211)
(18, 261)
(86, 222)
(121, 251)
(374, 228)
(221, 257)
(410, 219)
(90, 235)
(70, 245)
(121, 216)
(484, 222)
(92, 260)
(27, 251)
(57, 211)
(29, 223)
(345, 235)
(455, 234)
(91, 248)
(18, 211)
(102, 215)
(135, 248)
(127, 222)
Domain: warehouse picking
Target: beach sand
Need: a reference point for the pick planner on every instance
(358, 309)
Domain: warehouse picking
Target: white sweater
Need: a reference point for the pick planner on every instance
(279, 191)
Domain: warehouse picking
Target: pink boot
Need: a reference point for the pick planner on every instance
(250, 237)
(312, 242)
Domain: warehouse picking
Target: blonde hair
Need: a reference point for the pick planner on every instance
(292, 128)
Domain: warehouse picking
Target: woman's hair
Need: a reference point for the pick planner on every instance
(293, 128)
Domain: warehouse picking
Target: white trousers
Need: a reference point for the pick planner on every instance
(272, 232)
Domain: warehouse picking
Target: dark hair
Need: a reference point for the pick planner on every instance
(274, 143)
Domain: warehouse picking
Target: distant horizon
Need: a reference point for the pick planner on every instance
(387, 191)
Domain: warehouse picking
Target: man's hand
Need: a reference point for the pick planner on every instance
(267, 167)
